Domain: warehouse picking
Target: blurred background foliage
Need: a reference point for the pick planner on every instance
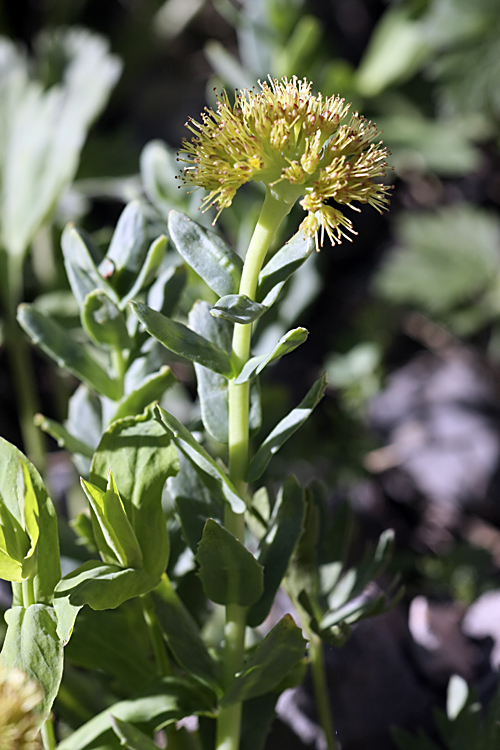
(405, 320)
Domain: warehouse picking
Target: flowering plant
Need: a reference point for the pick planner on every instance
(243, 541)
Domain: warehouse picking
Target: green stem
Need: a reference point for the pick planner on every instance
(272, 214)
(21, 366)
(28, 589)
(156, 637)
(48, 736)
(321, 690)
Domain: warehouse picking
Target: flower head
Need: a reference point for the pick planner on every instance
(298, 144)
(19, 722)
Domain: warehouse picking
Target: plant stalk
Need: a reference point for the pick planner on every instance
(321, 690)
(48, 736)
(21, 365)
(272, 214)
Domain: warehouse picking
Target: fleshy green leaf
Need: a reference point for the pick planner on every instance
(276, 548)
(61, 435)
(44, 127)
(81, 270)
(154, 257)
(99, 585)
(113, 641)
(103, 321)
(199, 456)
(238, 308)
(279, 652)
(165, 293)
(159, 169)
(206, 253)
(127, 249)
(151, 389)
(278, 270)
(194, 501)
(20, 479)
(173, 699)
(285, 429)
(230, 574)
(212, 387)
(142, 457)
(129, 736)
(33, 646)
(182, 340)
(257, 717)
(286, 344)
(69, 354)
(183, 636)
(112, 526)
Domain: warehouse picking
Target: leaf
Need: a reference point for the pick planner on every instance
(151, 389)
(70, 355)
(199, 456)
(182, 635)
(256, 721)
(104, 322)
(165, 293)
(194, 501)
(99, 585)
(285, 345)
(270, 663)
(432, 267)
(61, 435)
(131, 737)
(44, 127)
(206, 253)
(154, 258)
(85, 417)
(230, 574)
(285, 429)
(81, 270)
(456, 696)
(281, 266)
(276, 548)
(212, 387)
(142, 457)
(113, 531)
(13, 483)
(159, 170)
(173, 699)
(127, 249)
(398, 48)
(182, 340)
(238, 308)
(32, 645)
(115, 642)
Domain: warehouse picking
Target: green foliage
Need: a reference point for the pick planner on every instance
(28, 526)
(285, 429)
(167, 701)
(53, 121)
(446, 264)
(33, 646)
(228, 571)
(279, 652)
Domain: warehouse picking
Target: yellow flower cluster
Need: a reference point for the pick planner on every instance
(19, 697)
(298, 144)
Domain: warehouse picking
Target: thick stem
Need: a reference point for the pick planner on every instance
(21, 366)
(321, 690)
(28, 591)
(48, 736)
(272, 214)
